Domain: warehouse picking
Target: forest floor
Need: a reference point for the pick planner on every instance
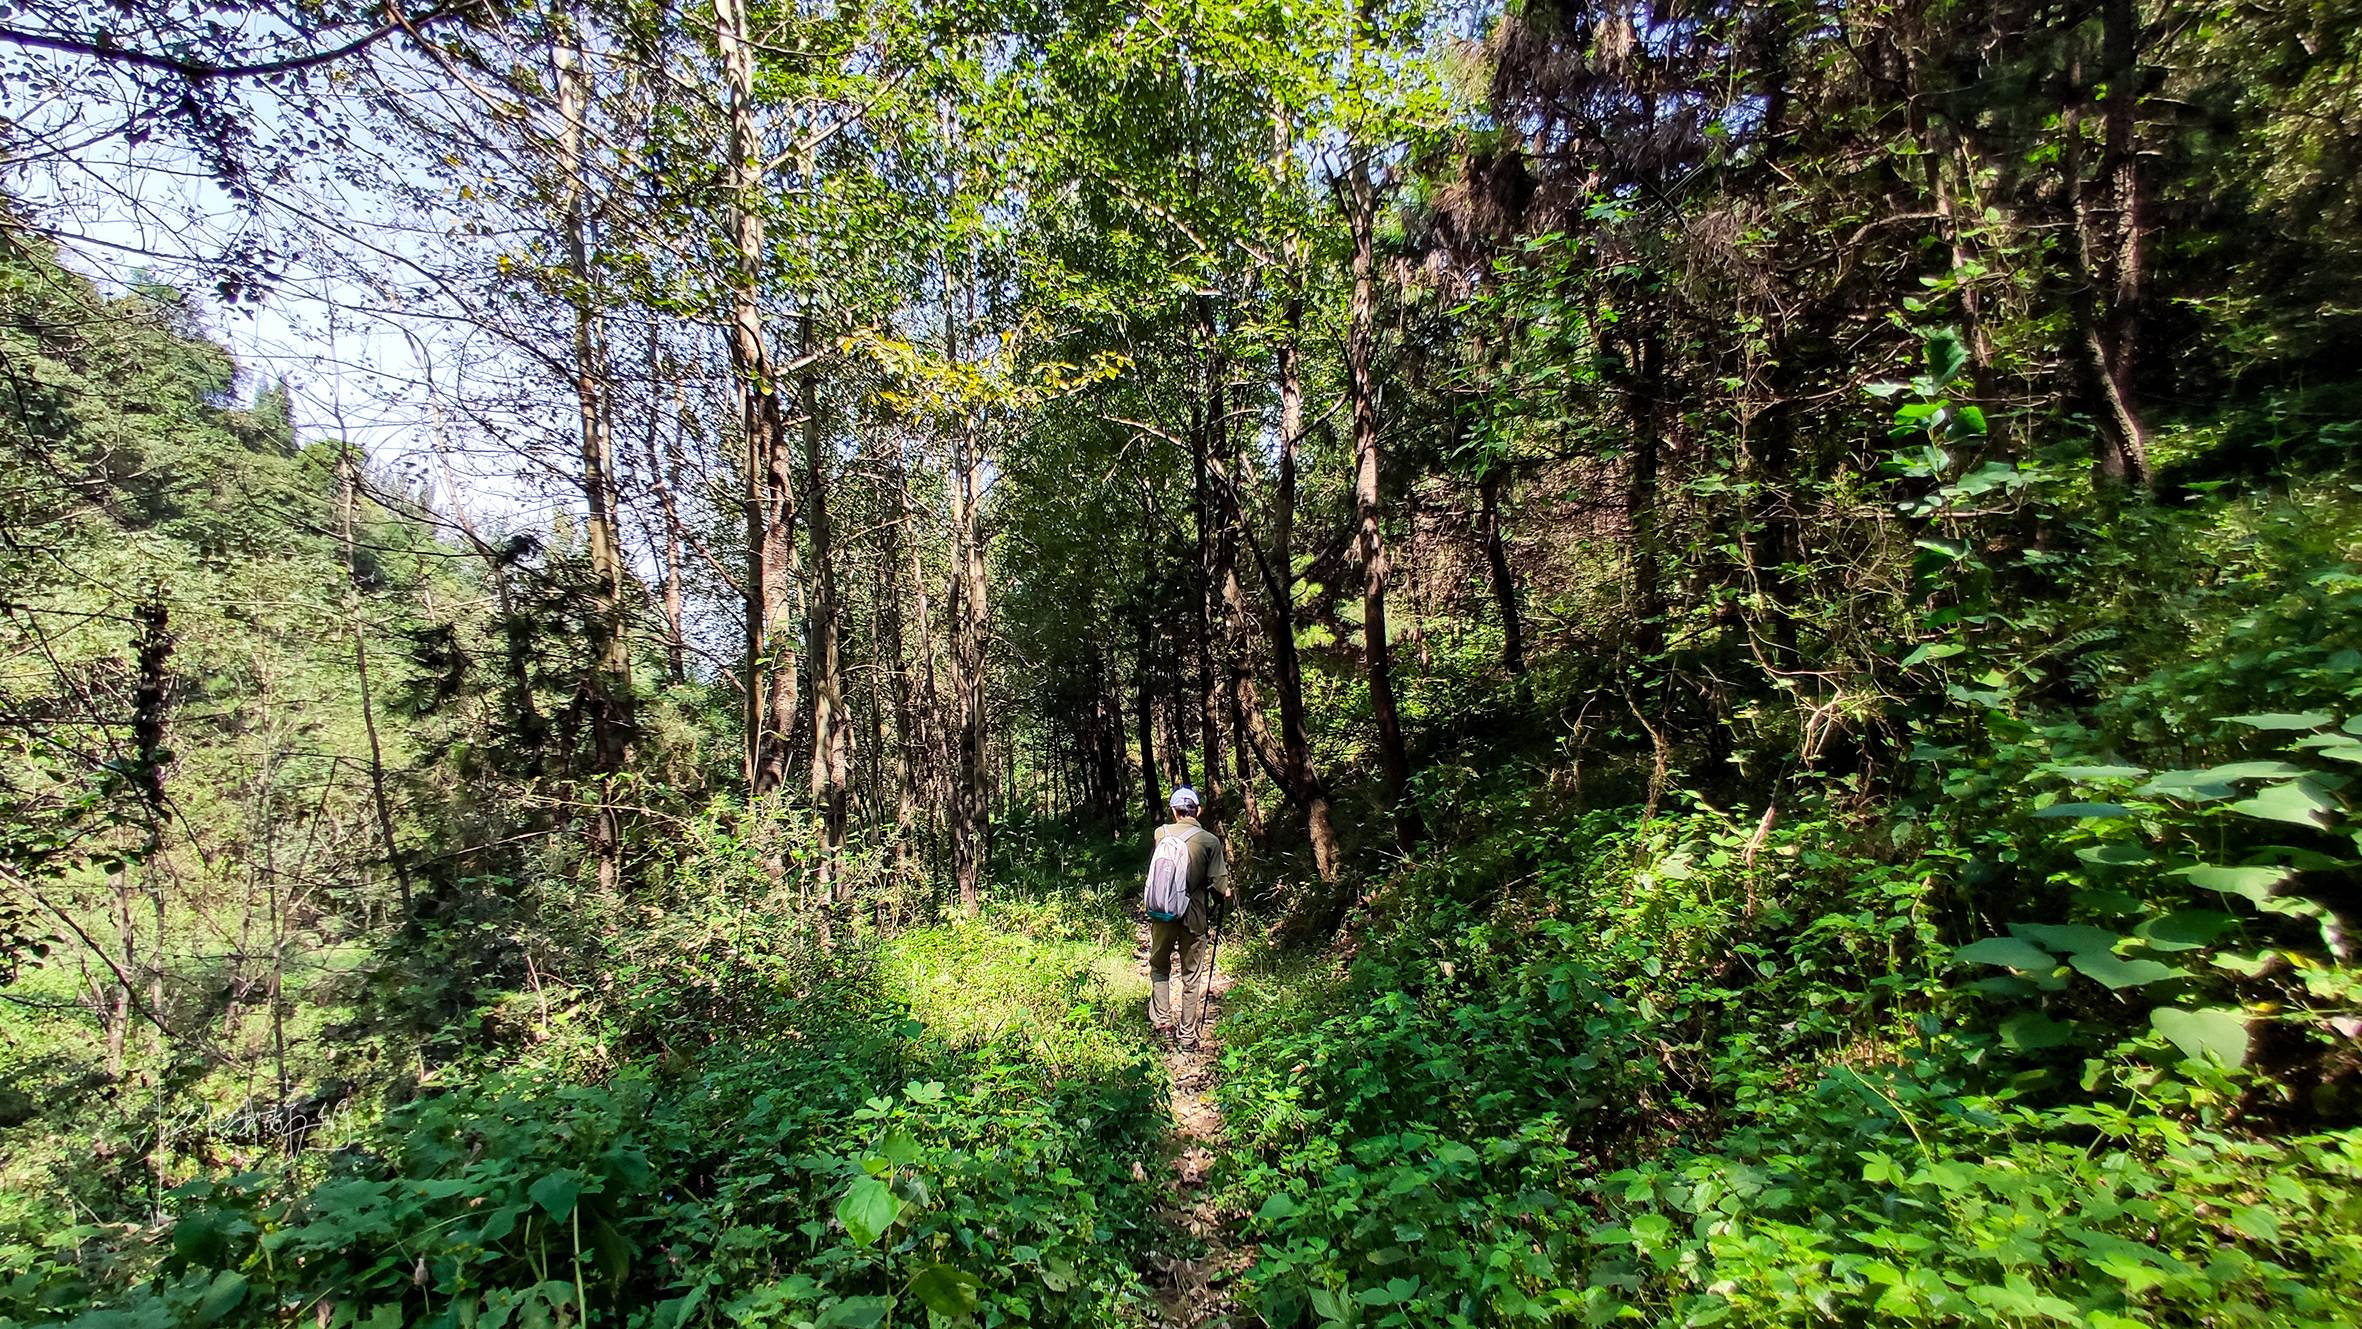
(1194, 1275)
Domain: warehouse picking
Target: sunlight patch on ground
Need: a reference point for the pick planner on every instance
(1062, 982)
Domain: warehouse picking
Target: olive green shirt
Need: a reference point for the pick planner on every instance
(1209, 869)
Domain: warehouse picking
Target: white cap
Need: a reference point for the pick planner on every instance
(1184, 799)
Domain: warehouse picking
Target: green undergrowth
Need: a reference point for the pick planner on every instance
(2061, 1032)
(1622, 1095)
(1047, 967)
(942, 1126)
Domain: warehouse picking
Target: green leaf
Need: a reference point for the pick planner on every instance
(857, 1313)
(1396, 1292)
(222, 1296)
(200, 1238)
(1280, 1206)
(899, 1147)
(2009, 952)
(2186, 930)
(2251, 883)
(556, 1194)
(2336, 747)
(2119, 973)
(2282, 720)
(2216, 1034)
(2189, 786)
(1946, 356)
(2100, 772)
(2031, 1031)
(947, 1291)
(2066, 938)
(2084, 810)
(2246, 770)
(1934, 650)
(868, 1209)
(2299, 802)
(2115, 855)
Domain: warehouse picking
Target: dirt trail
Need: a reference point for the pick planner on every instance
(1194, 1277)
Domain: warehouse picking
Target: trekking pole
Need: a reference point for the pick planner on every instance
(1205, 999)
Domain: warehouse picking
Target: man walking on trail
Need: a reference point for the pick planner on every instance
(1188, 888)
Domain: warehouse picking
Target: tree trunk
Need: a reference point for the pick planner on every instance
(1643, 400)
(607, 692)
(2106, 282)
(1205, 411)
(1144, 713)
(831, 730)
(1289, 760)
(664, 469)
(968, 609)
(2120, 164)
(768, 492)
(1496, 558)
(1360, 338)
(909, 724)
(379, 802)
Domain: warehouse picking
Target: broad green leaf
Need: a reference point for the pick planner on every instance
(2282, 720)
(2299, 802)
(200, 1239)
(2031, 1031)
(2189, 786)
(2009, 952)
(2084, 810)
(2245, 966)
(857, 1313)
(2252, 883)
(1934, 650)
(1947, 355)
(1280, 1206)
(2187, 930)
(2336, 747)
(2066, 938)
(947, 1291)
(868, 1209)
(899, 1147)
(2100, 772)
(222, 1296)
(1396, 1292)
(2119, 973)
(2246, 770)
(556, 1194)
(2217, 1034)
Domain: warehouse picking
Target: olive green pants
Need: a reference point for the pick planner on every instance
(1163, 940)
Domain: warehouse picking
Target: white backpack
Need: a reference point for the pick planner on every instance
(1166, 896)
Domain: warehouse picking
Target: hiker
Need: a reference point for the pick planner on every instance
(1188, 889)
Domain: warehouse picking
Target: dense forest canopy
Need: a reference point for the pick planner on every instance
(1766, 599)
